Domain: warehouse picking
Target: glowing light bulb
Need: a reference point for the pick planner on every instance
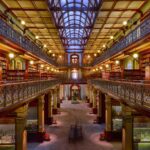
(117, 62)
(135, 55)
(31, 62)
(23, 22)
(37, 37)
(11, 55)
(42, 65)
(95, 54)
(107, 66)
(104, 46)
(124, 23)
(111, 37)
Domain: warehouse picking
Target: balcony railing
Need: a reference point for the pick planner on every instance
(77, 81)
(9, 33)
(15, 93)
(134, 94)
(138, 33)
(74, 65)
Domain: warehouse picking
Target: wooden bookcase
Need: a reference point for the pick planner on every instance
(134, 74)
(115, 75)
(34, 75)
(15, 75)
(3, 69)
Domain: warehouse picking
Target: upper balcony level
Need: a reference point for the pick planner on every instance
(15, 94)
(141, 32)
(66, 65)
(134, 94)
(8, 33)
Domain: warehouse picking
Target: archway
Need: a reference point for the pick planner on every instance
(75, 90)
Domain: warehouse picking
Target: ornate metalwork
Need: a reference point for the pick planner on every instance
(12, 93)
(138, 33)
(74, 20)
(131, 92)
(9, 33)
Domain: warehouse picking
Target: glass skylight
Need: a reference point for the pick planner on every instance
(75, 20)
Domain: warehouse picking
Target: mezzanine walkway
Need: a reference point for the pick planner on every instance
(59, 133)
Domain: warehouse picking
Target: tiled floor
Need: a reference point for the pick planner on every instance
(71, 113)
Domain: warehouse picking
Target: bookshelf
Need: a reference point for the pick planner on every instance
(115, 75)
(3, 69)
(33, 75)
(135, 74)
(15, 75)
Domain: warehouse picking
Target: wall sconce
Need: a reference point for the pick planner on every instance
(31, 62)
(42, 66)
(125, 23)
(88, 56)
(45, 45)
(95, 54)
(117, 62)
(111, 37)
(101, 68)
(135, 55)
(11, 55)
(23, 22)
(36, 37)
(107, 65)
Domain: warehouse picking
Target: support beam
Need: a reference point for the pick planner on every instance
(108, 118)
(94, 101)
(41, 114)
(20, 128)
(127, 131)
(100, 114)
(54, 101)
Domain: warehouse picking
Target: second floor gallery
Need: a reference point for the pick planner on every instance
(74, 74)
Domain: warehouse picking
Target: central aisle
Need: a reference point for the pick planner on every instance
(71, 113)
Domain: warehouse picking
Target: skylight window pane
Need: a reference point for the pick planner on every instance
(73, 22)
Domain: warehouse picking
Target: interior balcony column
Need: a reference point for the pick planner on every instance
(54, 101)
(91, 96)
(20, 128)
(94, 101)
(58, 97)
(61, 93)
(50, 116)
(88, 93)
(127, 130)
(108, 118)
(99, 107)
(147, 71)
(41, 129)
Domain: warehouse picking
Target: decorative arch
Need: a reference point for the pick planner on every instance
(74, 20)
(74, 59)
(75, 88)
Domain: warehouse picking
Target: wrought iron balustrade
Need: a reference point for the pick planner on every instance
(138, 33)
(9, 33)
(13, 93)
(74, 81)
(136, 94)
(74, 65)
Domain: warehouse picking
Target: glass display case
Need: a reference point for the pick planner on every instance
(117, 118)
(7, 134)
(141, 136)
(32, 126)
(32, 121)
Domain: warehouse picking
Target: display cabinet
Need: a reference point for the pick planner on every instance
(7, 134)
(141, 136)
(117, 120)
(15, 75)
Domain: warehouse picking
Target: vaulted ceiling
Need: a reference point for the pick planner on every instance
(83, 25)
